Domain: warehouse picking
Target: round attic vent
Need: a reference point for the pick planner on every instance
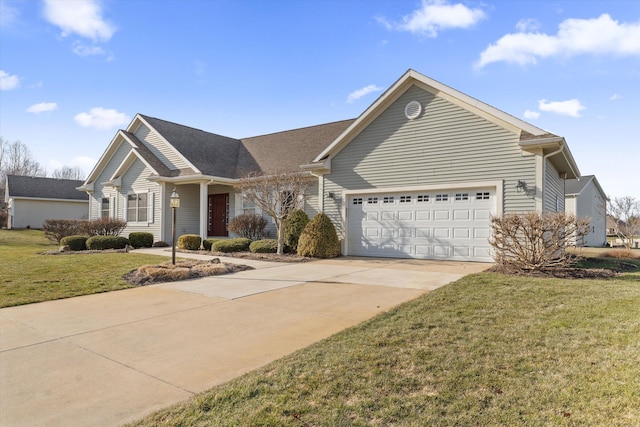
(412, 110)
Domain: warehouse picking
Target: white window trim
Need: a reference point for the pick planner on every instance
(150, 208)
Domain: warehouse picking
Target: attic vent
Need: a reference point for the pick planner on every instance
(412, 110)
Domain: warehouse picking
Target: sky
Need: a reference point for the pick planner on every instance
(73, 72)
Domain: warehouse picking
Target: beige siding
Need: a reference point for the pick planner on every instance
(312, 200)
(135, 181)
(590, 204)
(187, 215)
(33, 213)
(160, 148)
(446, 144)
(101, 190)
(553, 189)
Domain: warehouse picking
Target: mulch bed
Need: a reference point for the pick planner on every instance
(182, 270)
(254, 256)
(559, 273)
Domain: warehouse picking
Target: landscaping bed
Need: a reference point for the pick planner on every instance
(182, 270)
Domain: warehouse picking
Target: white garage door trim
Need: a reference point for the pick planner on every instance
(496, 187)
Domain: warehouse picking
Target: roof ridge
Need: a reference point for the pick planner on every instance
(185, 126)
(297, 129)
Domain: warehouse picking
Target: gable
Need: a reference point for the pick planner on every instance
(161, 148)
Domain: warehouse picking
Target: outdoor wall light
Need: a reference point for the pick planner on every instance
(521, 186)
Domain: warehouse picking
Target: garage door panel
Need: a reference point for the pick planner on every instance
(442, 225)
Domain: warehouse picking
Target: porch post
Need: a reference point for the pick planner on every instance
(204, 214)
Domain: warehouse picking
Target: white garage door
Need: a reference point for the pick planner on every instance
(451, 225)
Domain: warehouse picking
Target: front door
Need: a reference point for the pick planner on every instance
(218, 214)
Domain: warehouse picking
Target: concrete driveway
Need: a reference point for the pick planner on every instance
(111, 358)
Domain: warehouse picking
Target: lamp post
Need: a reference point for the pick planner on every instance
(174, 202)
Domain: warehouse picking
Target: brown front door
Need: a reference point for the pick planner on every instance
(218, 214)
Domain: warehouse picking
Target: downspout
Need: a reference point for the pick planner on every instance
(544, 169)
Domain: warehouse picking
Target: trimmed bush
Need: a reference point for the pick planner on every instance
(99, 243)
(56, 229)
(160, 244)
(249, 226)
(238, 244)
(104, 227)
(141, 239)
(265, 246)
(208, 242)
(298, 220)
(319, 239)
(75, 243)
(190, 242)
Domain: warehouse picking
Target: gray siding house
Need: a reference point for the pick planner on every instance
(585, 198)
(31, 201)
(417, 175)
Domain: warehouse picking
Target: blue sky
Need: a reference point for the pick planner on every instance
(74, 71)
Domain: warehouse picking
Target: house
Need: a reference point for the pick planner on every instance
(417, 175)
(31, 201)
(585, 198)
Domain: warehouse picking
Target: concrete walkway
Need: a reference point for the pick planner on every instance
(111, 358)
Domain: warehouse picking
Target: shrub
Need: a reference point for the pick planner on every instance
(238, 244)
(298, 220)
(206, 243)
(265, 246)
(75, 243)
(249, 226)
(622, 254)
(141, 239)
(160, 244)
(104, 227)
(56, 229)
(4, 217)
(98, 243)
(190, 242)
(535, 241)
(319, 238)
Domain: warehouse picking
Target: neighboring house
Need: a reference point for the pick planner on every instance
(31, 201)
(585, 198)
(417, 175)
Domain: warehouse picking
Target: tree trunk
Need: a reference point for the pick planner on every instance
(280, 232)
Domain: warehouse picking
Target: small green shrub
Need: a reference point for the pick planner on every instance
(75, 243)
(319, 239)
(99, 243)
(298, 220)
(238, 244)
(206, 243)
(141, 239)
(190, 242)
(160, 244)
(265, 246)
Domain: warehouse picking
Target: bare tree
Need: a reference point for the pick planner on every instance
(16, 159)
(277, 195)
(625, 211)
(68, 172)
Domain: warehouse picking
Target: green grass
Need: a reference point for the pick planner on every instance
(489, 349)
(27, 276)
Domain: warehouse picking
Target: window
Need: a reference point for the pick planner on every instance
(482, 196)
(423, 198)
(388, 199)
(442, 197)
(372, 200)
(104, 208)
(405, 199)
(137, 206)
(357, 201)
(248, 205)
(462, 196)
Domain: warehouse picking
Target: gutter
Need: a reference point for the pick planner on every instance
(544, 168)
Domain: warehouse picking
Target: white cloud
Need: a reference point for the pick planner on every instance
(101, 118)
(82, 17)
(81, 49)
(434, 16)
(42, 107)
(357, 94)
(599, 36)
(615, 97)
(528, 114)
(570, 108)
(527, 25)
(8, 81)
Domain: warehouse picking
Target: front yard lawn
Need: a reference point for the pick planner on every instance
(489, 349)
(27, 276)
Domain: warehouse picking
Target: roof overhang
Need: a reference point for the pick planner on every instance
(558, 153)
(318, 167)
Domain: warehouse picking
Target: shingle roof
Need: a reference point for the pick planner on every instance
(45, 188)
(218, 155)
(575, 186)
